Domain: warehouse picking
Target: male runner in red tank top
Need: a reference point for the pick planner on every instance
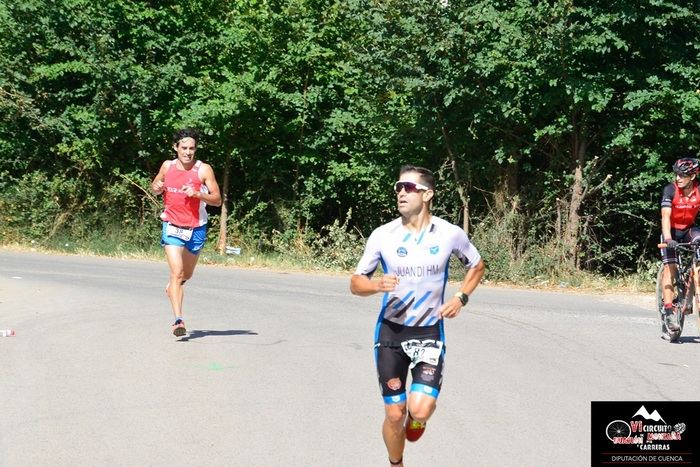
(187, 185)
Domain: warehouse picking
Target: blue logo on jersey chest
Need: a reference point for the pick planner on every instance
(434, 249)
(401, 251)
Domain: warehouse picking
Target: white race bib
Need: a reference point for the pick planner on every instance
(427, 351)
(178, 232)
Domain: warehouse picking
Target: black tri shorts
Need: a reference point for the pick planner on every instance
(397, 348)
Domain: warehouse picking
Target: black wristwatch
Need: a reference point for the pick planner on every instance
(464, 298)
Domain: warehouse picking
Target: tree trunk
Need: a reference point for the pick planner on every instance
(221, 245)
(573, 224)
(465, 213)
(461, 192)
(505, 193)
(512, 178)
(464, 198)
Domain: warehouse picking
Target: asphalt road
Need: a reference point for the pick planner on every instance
(278, 370)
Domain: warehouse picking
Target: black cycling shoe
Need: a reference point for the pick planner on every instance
(670, 320)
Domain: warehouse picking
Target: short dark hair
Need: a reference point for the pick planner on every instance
(426, 176)
(186, 133)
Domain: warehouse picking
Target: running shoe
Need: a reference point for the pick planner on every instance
(179, 328)
(414, 429)
(670, 318)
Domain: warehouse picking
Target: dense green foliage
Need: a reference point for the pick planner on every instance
(551, 125)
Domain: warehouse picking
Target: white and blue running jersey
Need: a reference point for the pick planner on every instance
(420, 262)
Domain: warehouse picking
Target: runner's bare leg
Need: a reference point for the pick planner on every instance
(175, 256)
(393, 430)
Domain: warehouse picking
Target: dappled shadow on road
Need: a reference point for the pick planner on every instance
(198, 334)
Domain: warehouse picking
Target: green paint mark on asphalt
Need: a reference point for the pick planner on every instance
(213, 366)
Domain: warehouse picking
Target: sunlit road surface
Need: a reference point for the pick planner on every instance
(278, 370)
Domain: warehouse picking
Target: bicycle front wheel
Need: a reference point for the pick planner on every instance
(660, 299)
(678, 297)
(696, 308)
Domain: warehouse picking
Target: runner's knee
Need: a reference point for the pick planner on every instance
(422, 410)
(421, 414)
(395, 413)
(178, 276)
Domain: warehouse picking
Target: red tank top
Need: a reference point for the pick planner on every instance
(180, 209)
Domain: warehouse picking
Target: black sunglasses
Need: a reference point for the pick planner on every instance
(410, 187)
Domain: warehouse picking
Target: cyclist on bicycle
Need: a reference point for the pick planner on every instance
(680, 204)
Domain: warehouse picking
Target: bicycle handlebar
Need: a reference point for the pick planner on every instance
(689, 245)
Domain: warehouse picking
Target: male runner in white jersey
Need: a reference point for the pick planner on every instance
(414, 251)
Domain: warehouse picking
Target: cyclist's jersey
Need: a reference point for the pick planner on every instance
(180, 209)
(684, 209)
(420, 262)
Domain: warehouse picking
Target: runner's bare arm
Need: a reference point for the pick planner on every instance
(473, 277)
(158, 182)
(213, 198)
(363, 286)
(666, 223)
(453, 306)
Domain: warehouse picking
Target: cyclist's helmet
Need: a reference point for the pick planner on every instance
(686, 166)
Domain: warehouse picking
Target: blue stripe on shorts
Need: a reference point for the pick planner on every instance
(422, 388)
